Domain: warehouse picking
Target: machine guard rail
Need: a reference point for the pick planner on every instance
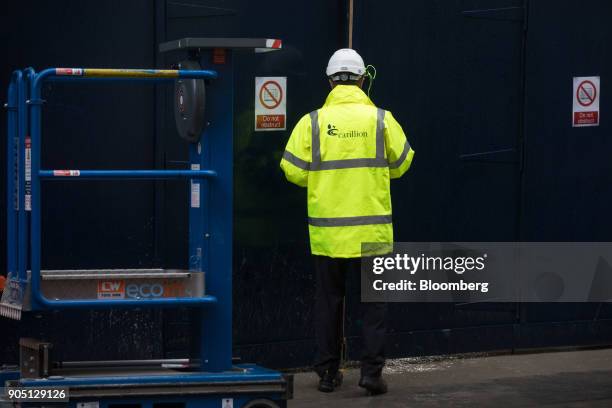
(36, 81)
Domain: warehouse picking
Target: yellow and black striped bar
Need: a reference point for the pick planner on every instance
(109, 73)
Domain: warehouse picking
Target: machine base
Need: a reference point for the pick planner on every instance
(245, 386)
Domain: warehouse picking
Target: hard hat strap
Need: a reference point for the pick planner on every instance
(371, 74)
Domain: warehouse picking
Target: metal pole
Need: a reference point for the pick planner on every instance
(128, 174)
(35, 117)
(24, 183)
(350, 25)
(122, 363)
(12, 195)
(210, 224)
(113, 74)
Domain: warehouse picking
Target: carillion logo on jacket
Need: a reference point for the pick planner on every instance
(333, 131)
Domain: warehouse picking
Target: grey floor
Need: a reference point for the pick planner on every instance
(556, 379)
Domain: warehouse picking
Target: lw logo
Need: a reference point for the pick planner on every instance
(114, 289)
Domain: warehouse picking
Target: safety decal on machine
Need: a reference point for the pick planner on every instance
(66, 173)
(585, 97)
(274, 43)
(227, 403)
(69, 71)
(15, 169)
(28, 174)
(270, 103)
(111, 289)
(89, 404)
(195, 189)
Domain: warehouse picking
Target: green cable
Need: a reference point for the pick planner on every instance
(371, 74)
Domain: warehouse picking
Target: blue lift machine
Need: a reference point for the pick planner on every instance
(213, 378)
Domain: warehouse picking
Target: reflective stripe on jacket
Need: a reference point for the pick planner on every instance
(345, 153)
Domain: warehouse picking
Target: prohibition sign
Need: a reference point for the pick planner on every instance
(586, 93)
(270, 94)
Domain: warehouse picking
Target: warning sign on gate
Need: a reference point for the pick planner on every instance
(586, 101)
(270, 103)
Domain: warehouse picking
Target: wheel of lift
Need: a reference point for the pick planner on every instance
(189, 104)
(261, 403)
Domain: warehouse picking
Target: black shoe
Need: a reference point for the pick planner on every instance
(374, 385)
(329, 381)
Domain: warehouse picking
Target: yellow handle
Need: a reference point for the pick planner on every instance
(130, 73)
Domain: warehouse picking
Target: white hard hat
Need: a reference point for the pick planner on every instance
(345, 60)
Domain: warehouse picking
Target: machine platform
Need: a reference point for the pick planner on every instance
(139, 387)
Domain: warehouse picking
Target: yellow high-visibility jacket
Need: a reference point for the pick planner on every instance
(345, 154)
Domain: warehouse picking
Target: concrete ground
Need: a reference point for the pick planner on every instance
(554, 379)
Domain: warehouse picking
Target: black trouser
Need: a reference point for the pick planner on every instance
(331, 284)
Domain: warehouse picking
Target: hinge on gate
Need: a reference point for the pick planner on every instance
(515, 13)
(35, 101)
(195, 9)
(34, 358)
(508, 155)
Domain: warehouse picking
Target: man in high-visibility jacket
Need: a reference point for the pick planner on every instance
(345, 153)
